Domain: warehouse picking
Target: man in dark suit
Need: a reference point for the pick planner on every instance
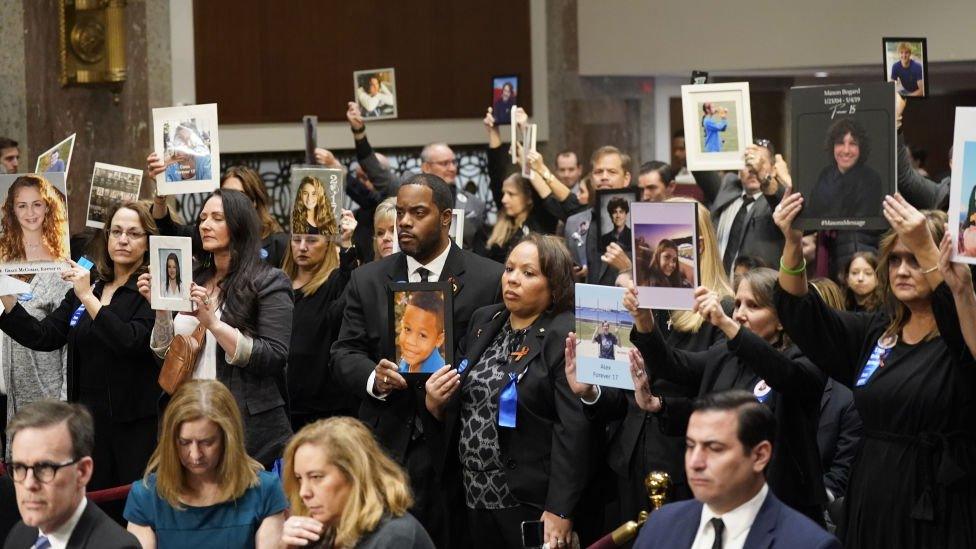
(742, 207)
(729, 445)
(391, 406)
(51, 447)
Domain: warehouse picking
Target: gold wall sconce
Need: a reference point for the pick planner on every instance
(92, 43)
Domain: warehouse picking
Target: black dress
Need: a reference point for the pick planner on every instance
(912, 484)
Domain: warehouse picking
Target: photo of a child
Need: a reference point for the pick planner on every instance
(420, 323)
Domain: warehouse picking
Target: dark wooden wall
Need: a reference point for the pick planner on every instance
(277, 61)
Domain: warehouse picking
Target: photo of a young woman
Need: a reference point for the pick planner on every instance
(34, 222)
(172, 284)
(312, 212)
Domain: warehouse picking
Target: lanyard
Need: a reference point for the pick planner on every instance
(881, 351)
(76, 315)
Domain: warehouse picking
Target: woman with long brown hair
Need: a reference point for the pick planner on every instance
(312, 213)
(274, 240)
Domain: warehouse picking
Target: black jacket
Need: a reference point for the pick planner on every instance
(94, 529)
(795, 472)
(545, 455)
(117, 341)
(365, 335)
(838, 436)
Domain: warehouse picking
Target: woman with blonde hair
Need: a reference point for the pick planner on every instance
(383, 220)
(643, 441)
(34, 222)
(345, 492)
(312, 213)
(200, 487)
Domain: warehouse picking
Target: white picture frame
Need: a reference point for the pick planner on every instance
(65, 150)
(110, 185)
(596, 305)
(187, 141)
(378, 105)
(457, 225)
(528, 146)
(663, 230)
(161, 250)
(962, 187)
(732, 96)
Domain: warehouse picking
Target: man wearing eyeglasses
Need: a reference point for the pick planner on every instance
(439, 159)
(51, 447)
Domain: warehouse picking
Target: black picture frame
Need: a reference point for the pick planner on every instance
(603, 196)
(925, 62)
(395, 299)
(503, 116)
(698, 78)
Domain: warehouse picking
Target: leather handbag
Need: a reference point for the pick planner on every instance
(181, 359)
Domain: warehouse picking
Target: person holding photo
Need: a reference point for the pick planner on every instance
(375, 98)
(188, 157)
(172, 284)
(714, 122)
(502, 108)
(312, 213)
(35, 222)
(105, 327)
(908, 73)
(507, 411)
(847, 187)
(200, 487)
(319, 270)
(246, 307)
(422, 333)
(665, 269)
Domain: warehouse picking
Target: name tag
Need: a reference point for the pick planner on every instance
(76, 315)
(881, 351)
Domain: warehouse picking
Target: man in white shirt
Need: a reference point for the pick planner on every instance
(729, 445)
(51, 446)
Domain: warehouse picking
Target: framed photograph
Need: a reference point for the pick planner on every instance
(457, 225)
(906, 64)
(186, 140)
(110, 185)
(514, 137)
(603, 336)
(310, 126)
(37, 239)
(421, 326)
(529, 132)
(375, 93)
(843, 153)
(718, 125)
(504, 96)
(962, 190)
(698, 78)
(57, 158)
(613, 218)
(318, 194)
(171, 268)
(666, 267)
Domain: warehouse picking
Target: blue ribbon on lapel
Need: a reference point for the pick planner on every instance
(508, 402)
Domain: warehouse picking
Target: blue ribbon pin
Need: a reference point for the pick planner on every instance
(463, 366)
(508, 403)
(881, 351)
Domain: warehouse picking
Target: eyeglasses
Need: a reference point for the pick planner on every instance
(44, 471)
(445, 163)
(131, 235)
(764, 143)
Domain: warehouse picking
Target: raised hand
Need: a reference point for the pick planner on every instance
(582, 390)
(646, 400)
(355, 117)
(908, 222)
(785, 214)
(643, 318)
(441, 386)
(616, 257)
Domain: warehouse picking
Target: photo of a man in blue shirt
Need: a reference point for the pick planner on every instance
(907, 72)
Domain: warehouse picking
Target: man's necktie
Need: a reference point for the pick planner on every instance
(735, 233)
(719, 528)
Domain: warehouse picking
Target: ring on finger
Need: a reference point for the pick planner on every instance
(386, 379)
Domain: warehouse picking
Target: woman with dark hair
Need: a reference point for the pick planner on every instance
(172, 284)
(507, 410)
(274, 241)
(863, 292)
(914, 382)
(847, 187)
(756, 356)
(514, 220)
(246, 307)
(106, 328)
(665, 270)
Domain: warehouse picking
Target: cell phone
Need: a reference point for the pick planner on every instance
(85, 262)
(533, 533)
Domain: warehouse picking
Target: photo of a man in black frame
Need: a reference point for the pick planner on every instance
(613, 215)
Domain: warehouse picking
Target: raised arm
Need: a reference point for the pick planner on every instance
(955, 310)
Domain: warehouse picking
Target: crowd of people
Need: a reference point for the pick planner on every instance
(823, 385)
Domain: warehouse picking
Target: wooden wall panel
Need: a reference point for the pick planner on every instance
(269, 62)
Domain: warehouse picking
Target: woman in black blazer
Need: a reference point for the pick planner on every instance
(757, 357)
(507, 410)
(106, 328)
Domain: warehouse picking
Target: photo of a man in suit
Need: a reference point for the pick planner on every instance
(728, 446)
(392, 407)
(51, 448)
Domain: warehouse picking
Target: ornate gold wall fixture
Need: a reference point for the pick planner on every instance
(92, 43)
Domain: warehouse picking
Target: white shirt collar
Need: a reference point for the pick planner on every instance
(60, 536)
(737, 521)
(436, 266)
